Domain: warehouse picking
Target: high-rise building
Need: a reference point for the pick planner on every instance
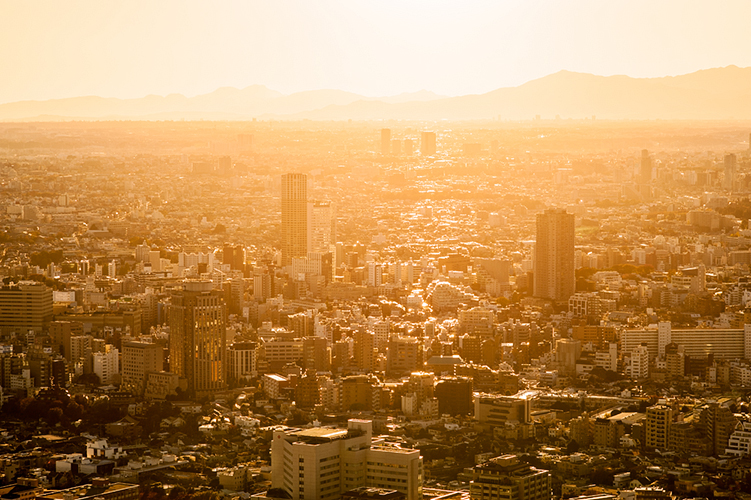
(324, 462)
(454, 395)
(294, 217)
(316, 354)
(60, 334)
(197, 321)
(385, 141)
(241, 361)
(717, 422)
(730, 167)
(234, 256)
(139, 359)
(554, 256)
(645, 168)
(365, 350)
(405, 355)
(508, 478)
(24, 306)
(321, 227)
(427, 143)
(659, 418)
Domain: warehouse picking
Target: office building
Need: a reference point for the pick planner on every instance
(697, 343)
(717, 422)
(60, 333)
(494, 411)
(730, 164)
(24, 306)
(242, 361)
(234, 256)
(197, 320)
(507, 478)
(138, 360)
(454, 395)
(385, 141)
(99, 488)
(356, 392)
(316, 354)
(294, 217)
(365, 350)
(324, 462)
(427, 143)
(106, 364)
(645, 168)
(321, 227)
(554, 256)
(405, 355)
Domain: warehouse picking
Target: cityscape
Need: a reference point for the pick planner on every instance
(415, 297)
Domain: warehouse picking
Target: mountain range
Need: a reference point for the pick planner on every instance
(711, 94)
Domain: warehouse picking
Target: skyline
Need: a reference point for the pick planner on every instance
(136, 49)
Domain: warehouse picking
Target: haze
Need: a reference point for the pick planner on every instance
(131, 49)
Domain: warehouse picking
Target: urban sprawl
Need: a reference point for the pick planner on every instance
(356, 310)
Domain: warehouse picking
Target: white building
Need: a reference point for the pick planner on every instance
(739, 443)
(322, 463)
(106, 364)
(638, 365)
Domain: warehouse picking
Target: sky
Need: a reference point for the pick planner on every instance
(52, 49)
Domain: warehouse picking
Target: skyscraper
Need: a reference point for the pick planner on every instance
(645, 169)
(427, 143)
(730, 164)
(294, 217)
(197, 321)
(321, 226)
(385, 141)
(554, 255)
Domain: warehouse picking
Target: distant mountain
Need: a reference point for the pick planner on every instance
(719, 93)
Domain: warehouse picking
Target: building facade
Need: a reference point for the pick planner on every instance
(554, 256)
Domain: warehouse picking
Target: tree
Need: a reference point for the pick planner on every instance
(55, 416)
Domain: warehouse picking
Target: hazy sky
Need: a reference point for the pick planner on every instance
(132, 48)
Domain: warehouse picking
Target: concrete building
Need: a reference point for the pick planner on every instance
(324, 462)
(24, 306)
(405, 355)
(722, 343)
(739, 443)
(138, 359)
(106, 364)
(294, 217)
(504, 411)
(197, 317)
(507, 478)
(554, 256)
(427, 143)
(241, 361)
(321, 227)
(659, 419)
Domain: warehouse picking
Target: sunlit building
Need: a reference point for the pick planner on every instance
(554, 256)
(294, 217)
(324, 462)
(197, 321)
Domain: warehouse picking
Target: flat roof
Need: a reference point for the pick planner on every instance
(322, 432)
